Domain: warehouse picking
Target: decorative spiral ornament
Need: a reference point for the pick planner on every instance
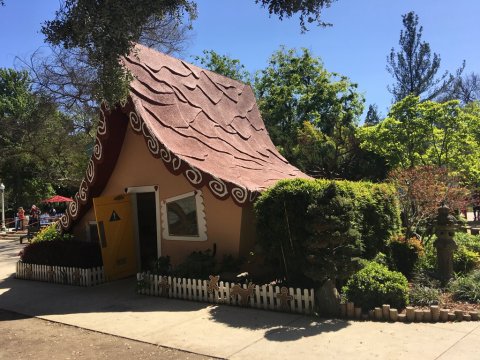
(90, 174)
(194, 176)
(102, 124)
(73, 208)
(152, 142)
(253, 196)
(239, 194)
(97, 149)
(177, 162)
(83, 192)
(135, 122)
(218, 187)
(65, 221)
(166, 155)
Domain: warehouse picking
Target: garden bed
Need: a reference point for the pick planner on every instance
(60, 274)
(266, 297)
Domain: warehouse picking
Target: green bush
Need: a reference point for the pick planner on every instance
(375, 285)
(198, 265)
(466, 288)
(317, 229)
(62, 253)
(467, 256)
(162, 266)
(50, 233)
(465, 259)
(422, 295)
(405, 253)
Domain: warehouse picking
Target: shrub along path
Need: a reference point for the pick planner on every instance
(226, 332)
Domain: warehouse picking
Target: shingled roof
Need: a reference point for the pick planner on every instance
(199, 123)
(207, 120)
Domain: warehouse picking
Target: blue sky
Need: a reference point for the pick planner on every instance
(357, 45)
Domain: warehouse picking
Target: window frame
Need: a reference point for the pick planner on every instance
(201, 220)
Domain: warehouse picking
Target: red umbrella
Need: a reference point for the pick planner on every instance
(57, 199)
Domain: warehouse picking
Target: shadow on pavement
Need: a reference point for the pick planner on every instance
(37, 298)
(278, 326)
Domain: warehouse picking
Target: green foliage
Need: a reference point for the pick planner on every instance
(465, 259)
(224, 65)
(467, 256)
(375, 285)
(413, 67)
(310, 10)
(466, 288)
(62, 253)
(108, 30)
(405, 253)
(419, 133)
(421, 295)
(162, 266)
(309, 111)
(318, 228)
(198, 265)
(32, 135)
(50, 233)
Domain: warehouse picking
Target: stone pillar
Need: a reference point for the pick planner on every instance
(445, 245)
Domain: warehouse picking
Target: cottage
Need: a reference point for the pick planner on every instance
(175, 169)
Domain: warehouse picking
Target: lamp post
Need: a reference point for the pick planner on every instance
(2, 191)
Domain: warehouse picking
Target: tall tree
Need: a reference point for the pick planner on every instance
(40, 152)
(372, 117)
(424, 133)
(414, 68)
(466, 88)
(309, 112)
(104, 31)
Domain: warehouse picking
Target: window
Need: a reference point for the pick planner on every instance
(183, 217)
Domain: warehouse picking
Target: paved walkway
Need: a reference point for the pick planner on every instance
(227, 332)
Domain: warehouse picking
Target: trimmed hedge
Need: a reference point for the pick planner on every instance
(375, 285)
(317, 229)
(63, 253)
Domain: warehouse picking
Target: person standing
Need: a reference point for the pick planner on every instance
(20, 218)
(34, 221)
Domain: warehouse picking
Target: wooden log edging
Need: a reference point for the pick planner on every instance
(267, 297)
(60, 274)
(431, 315)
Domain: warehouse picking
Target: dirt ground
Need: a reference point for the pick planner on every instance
(22, 337)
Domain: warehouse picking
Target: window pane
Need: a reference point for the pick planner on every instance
(182, 217)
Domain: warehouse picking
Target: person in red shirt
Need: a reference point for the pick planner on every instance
(20, 218)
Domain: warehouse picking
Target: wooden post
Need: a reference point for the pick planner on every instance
(386, 312)
(427, 315)
(343, 310)
(474, 315)
(393, 315)
(418, 315)
(443, 315)
(358, 312)
(458, 315)
(350, 310)
(410, 313)
(378, 313)
(434, 309)
(402, 317)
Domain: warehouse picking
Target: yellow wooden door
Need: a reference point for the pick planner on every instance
(115, 230)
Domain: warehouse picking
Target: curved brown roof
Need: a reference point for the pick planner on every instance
(209, 121)
(200, 124)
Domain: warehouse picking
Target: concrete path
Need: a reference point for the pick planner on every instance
(224, 331)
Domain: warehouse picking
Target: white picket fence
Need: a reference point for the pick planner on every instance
(60, 274)
(266, 297)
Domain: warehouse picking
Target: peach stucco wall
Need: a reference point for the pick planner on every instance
(137, 167)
